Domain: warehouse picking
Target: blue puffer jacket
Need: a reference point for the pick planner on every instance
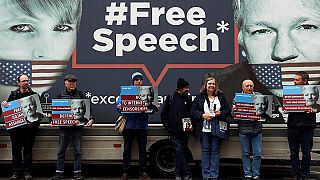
(135, 120)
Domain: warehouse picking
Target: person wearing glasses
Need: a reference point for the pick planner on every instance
(250, 134)
(22, 137)
(136, 126)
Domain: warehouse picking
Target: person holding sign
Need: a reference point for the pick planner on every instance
(210, 110)
(175, 110)
(300, 134)
(73, 133)
(22, 137)
(250, 134)
(136, 126)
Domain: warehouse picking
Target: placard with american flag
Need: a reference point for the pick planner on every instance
(252, 107)
(300, 98)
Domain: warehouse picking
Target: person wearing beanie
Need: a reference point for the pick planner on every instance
(136, 126)
(175, 112)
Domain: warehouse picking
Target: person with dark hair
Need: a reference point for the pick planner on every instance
(210, 110)
(136, 126)
(47, 32)
(250, 134)
(300, 134)
(73, 133)
(176, 107)
(22, 137)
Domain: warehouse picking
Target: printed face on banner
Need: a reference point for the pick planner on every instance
(261, 104)
(21, 111)
(139, 99)
(36, 39)
(147, 95)
(252, 107)
(273, 32)
(78, 108)
(65, 112)
(301, 98)
(29, 106)
(310, 94)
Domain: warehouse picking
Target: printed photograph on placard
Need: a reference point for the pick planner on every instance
(139, 99)
(66, 112)
(301, 98)
(252, 107)
(21, 111)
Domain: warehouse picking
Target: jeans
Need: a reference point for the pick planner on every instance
(128, 136)
(210, 155)
(251, 143)
(300, 136)
(65, 133)
(22, 139)
(182, 164)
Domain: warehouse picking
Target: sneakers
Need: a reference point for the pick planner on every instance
(187, 178)
(57, 176)
(144, 176)
(257, 178)
(27, 176)
(178, 178)
(78, 176)
(15, 176)
(124, 176)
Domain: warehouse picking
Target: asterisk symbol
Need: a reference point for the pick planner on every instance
(222, 26)
(88, 94)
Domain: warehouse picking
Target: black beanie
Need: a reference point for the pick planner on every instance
(182, 83)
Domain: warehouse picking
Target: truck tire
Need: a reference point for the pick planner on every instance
(162, 160)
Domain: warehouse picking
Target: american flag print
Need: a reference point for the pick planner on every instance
(41, 73)
(288, 71)
(268, 74)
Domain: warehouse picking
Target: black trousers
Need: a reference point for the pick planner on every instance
(22, 140)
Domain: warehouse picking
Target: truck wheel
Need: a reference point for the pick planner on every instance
(162, 160)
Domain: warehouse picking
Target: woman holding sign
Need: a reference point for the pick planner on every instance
(210, 109)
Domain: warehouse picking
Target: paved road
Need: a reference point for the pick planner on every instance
(110, 172)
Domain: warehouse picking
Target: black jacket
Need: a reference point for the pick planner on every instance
(302, 119)
(176, 106)
(198, 109)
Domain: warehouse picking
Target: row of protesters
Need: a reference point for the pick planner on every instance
(22, 137)
(136, 127)
(211, 106)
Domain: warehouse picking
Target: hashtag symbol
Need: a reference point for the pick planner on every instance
(116, 13)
